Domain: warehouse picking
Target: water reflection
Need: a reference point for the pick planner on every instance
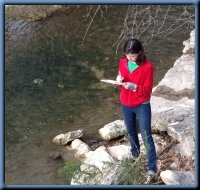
(67, 94)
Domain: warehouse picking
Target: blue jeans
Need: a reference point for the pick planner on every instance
(143, 113)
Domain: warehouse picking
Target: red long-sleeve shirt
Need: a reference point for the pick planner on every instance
(142, 77)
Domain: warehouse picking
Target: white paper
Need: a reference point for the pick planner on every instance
(111, 81)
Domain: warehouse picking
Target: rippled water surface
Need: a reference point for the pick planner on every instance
(52, 85)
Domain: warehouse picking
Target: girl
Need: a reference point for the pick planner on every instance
(136, 73)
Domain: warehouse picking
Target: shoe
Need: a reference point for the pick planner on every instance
(151, 177)
(133, 158)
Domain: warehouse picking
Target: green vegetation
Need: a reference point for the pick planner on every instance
(129, 172)
(69, 170)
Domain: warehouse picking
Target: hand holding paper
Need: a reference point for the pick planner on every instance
(119, 78)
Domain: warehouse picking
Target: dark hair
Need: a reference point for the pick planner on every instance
(134, 46)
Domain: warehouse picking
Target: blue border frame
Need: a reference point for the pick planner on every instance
(195, 2)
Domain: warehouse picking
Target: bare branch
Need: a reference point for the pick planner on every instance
(163, 20)
(90, 24)
(142, 20)
(146, 21)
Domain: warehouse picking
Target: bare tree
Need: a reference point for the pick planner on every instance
(147, 21)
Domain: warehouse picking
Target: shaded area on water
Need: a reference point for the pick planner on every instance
(70, 96)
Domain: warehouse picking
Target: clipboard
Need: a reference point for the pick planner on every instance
(111, 81)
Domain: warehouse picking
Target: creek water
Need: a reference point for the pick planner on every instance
(52, 84)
